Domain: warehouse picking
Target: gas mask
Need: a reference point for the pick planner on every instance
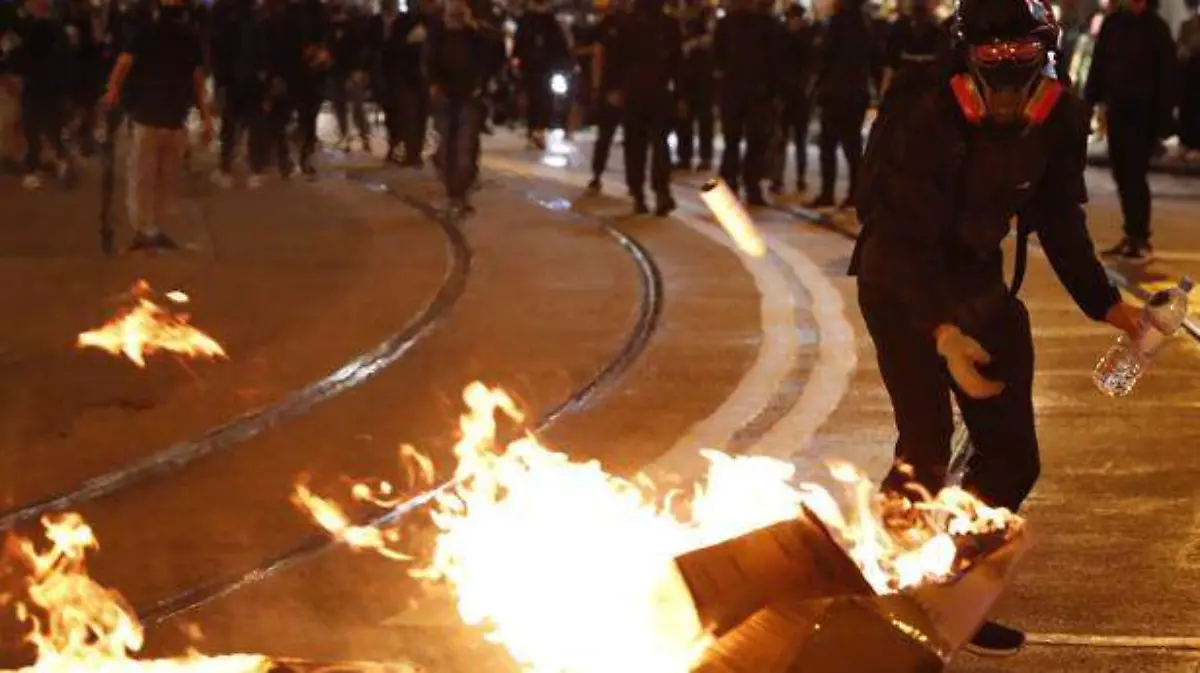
(1006, 83)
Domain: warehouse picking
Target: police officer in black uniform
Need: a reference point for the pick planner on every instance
(606, 97)
(799, 40)
(746, 50)
(1133, 78)
(947, 168)
(699, 88)
(647, 56)
(846, 66)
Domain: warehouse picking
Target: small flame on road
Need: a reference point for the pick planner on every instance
(145, 328)
(78, 626)
(571, 569)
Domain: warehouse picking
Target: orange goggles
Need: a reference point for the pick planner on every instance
(1025, 52)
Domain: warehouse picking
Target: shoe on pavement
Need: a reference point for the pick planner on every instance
(639, 206)
(308, 171)
(1118, 249)
(664, 205)
(996, 640)
(594, 186)
(756, 200)
(221, 179)
(1138, 252)
(776, 188)
(31, 181)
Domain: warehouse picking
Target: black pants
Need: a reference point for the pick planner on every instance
(646, 129)
(1131, 142)
(1005, 464)
(458, 123)
(412, 108)
(699, 117)
(794, 123)
(841, 125)
(749, 119)
(42, 118)
(347, 95)
(539, 99)
(608, 118)
(243, 105)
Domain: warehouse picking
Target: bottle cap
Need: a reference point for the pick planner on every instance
(1186, 284)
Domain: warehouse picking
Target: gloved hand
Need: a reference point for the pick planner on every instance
(962, 354)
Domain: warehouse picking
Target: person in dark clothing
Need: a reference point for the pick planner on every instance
(540, 47)
(647, 57)
(1133, 78)
(917, 40)
(1189, 81)
(348, 72)
(846, 62)
(87, 69)
(746, 51)
(947, 168)
(43, 60)
(607, 99)
(798, 46)
(699, 90)
(400, 39)
(165, 59)
(456, 67)
(235, 70)
(10, 85)
(308, 21)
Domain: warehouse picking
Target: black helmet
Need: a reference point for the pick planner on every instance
(983, 21)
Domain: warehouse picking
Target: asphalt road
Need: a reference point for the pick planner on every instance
(758, 356)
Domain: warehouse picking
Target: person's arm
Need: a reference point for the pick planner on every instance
(120, 71)
(1056, 214)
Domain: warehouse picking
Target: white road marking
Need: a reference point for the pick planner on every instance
(1115, 641)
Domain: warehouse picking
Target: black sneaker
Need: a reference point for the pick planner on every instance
(996, 640)
(639, 206)
(593, 187)
(1117, 250)
(1138, 252)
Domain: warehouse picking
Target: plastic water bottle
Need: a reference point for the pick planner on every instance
(1119, 370)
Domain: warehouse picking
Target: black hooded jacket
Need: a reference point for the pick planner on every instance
(936, 196)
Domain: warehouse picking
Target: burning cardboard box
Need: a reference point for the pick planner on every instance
(789, 599)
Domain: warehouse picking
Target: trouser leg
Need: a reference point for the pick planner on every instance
(636, 141)
(609, 119)
(732, 126)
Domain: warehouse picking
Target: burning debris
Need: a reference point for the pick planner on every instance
(146, 327)
(78, 626)
(572, 569)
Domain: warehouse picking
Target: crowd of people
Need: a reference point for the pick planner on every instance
(651, 67)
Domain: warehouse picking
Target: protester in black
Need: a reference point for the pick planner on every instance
(87, 70)
(647, 56)
(348, 71)
(747, 53)
(948, 167)
(540, 48)
(401, 39)
(456, 67)
(607, 99)
(164, 65)
(798, 49)
(43, 60)
(235, 70)
(846, 63)
(699, 89)
(1133, 78)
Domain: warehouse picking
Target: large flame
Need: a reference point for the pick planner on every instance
(78, 626)
(571, 569)
(145, 328)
